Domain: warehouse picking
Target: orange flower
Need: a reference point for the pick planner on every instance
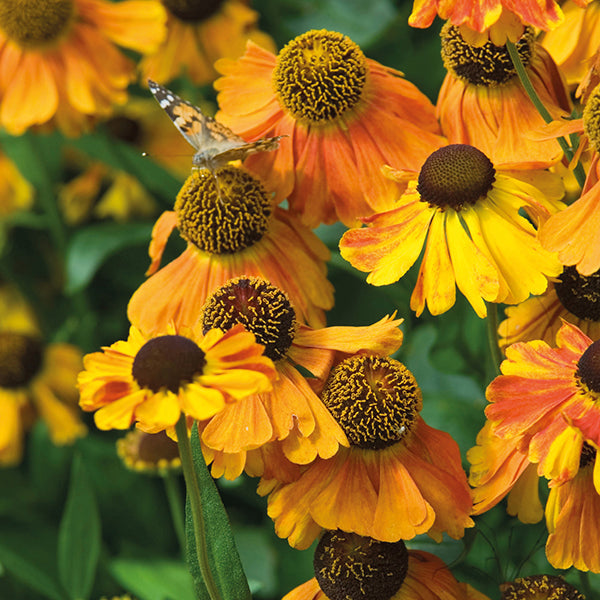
(291, 415)
(483, 103)
(499, 467)
(58, 61)
(399, 478)
(573, 518)
(153, 380)
(573, 298)
(497, 20)
(573, 232)
(541, 391)
(198, 34)
(347, 562)
(575, 41)
(234, 235)
(345, 116)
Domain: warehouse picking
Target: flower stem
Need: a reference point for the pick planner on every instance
(176, 506)
(191, 484)
(492, 332)
(533, 96)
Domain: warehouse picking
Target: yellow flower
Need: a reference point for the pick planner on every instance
(152, 381)
(58, 59)
(198, 34)
(465, 211)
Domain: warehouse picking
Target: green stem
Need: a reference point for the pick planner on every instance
(191, 484)
(176, 503)
(533, 96)
(492, 333)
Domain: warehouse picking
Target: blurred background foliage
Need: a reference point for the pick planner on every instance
(80, 503)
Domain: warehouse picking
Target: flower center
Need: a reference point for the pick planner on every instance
(375, 400)
(167, 361)
(591, 118)
(226, 224)
(261, 307)
(488, 65)
(455, 175)
(319, 76)
(588, 368)
(150, 452)
(588, 455)
(125, 129)
(193, 10)
(579, 294)
(540, 587)
(352, 567)
(20, 359)
(36, 23)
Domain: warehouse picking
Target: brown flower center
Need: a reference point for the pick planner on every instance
(20, 359)
(192, 10)
(579, 294)
(455, 175)
(34, 24)
(167, 361)
(125, 129)
(149, 452)
(588, 455)
(320, 76)
(223, 224)
(261, 307)
(352, 567)
(591, 118)
(488, 65)
(540, 587)
(588, 368)
(375, 400)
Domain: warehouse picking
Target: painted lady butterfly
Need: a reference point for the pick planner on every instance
(215, 143)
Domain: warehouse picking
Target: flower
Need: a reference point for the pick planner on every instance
(466, 213)
(153, 380)
(483, 103)
(575, 41)
(542, 392)
(398, 478)
(500, 467)
(290, 416)
(16, 193)
(37, 381)
(497, 21)
(352, 566)
(539, 587)
(345, 115)
(59, 62)
(151, 453)
(572, 517)
(572, 297)
(198, 34)
(238, 233)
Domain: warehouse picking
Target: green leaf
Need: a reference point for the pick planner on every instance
(90, 247)
(223, 557)
(79, 536)
(153, 579)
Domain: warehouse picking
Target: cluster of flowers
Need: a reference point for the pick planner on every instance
(232, 333)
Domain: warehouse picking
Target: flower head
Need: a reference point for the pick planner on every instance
(345, 116)
(152, 453)
(497, 20)
(466, 212)
(289, 423)
(539, 587)
(151, 381)
(59, 61)
(355, 567)
(398, 478)
(483, 103)
(572, 297)
(200, 33)
(229, 235)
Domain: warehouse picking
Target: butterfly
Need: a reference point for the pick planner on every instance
(215, 143)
